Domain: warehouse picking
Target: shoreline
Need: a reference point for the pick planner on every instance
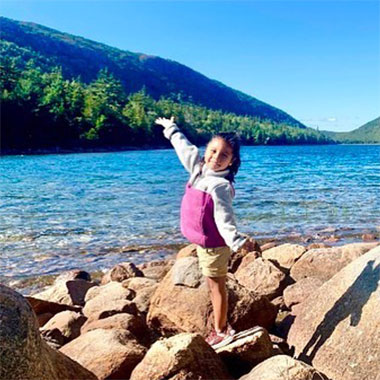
(330, 237)
(60, 150)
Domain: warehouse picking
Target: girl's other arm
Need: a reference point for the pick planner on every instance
(186, 152)
(225, 218)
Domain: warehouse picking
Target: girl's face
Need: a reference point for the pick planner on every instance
(218, 155)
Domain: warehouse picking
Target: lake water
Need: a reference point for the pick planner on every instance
(93, 210)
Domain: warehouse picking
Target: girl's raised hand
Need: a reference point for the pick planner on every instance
(165, 122)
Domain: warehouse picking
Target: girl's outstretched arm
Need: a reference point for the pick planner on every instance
(186, 152)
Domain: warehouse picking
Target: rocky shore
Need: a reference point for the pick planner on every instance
(302, 312)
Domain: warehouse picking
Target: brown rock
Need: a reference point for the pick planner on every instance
(248, 349)
(24, 355)
(68, 322)
(332, 239)
(139, 283)
(285, 255)
(279, 303)
(106, 300)
(40, 306)
(260, 276)
(121, 272)
(317, 245)
(181, 308)
(369, 237)
(75, 274)
(54, 338)
(122, 321)
(281, 344)
(70, 292)
(298, 292)
(43, 318)
(323, 263)
(110, 354)
(156, 270)
(237, 257)
(46, 309)
(144, 288)
(337, 330)
(190, 250)
(268, 245)
(98, 308)
(281, 367)
(183, 356)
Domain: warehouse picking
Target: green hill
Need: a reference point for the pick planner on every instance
(368, 133)
(85, 58)
(60, 92)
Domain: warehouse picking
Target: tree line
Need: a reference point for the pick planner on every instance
(41, 109)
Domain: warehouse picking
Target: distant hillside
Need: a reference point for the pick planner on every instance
(82, 57)
(368, 133)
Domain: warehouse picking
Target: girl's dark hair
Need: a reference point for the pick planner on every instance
(232, 139)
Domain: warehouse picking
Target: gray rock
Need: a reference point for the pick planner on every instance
(184, 272)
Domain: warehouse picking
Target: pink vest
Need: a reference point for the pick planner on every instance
(197, 219)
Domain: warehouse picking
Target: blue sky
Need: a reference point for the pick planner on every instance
(317, 60)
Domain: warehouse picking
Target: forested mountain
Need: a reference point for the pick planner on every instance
(81, 57)
(368, 133)
(52, 98)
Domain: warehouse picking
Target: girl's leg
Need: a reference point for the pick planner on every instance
(218, 294)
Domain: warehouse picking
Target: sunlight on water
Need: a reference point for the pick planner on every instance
(83, 210)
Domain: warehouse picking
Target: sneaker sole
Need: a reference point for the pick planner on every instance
(237, 336)
(243, 334)
(223, 343)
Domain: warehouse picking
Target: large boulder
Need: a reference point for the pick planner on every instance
(24, 355)
(337, 330)
(181, 303)
(71, 292)
(283, 367)
(181, 357)
(253, 248)
(261, 276)
(106, 300)
(298, 292)
(68, 322)
(247, 349)
(110, 354)
(189, 250)
(144, 288)
(122, 321)
(157, 269)
(46, 309)
(285, 255)
(323, 263)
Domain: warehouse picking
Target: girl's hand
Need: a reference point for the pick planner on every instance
(165, 122)
(250, 245)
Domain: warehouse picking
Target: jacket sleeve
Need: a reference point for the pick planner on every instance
(225, 218)
(187, 153)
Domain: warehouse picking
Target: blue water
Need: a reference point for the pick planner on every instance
(93, 210)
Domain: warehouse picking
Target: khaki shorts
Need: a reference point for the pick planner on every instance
(213, 261)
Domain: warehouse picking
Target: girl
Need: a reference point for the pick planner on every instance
(207, 217)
